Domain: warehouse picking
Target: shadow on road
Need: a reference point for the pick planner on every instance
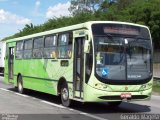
(93, 108)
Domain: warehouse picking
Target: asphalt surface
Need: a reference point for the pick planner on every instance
(39, 106)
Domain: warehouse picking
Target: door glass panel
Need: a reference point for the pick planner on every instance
(11, 62)
(79, 64)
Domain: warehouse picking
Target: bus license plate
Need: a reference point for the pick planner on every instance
(126, 95)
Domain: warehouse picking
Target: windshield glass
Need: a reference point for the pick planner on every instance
(138, 53)
(110, 59)
(122, 58)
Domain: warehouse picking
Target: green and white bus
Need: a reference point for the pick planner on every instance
(96, 61)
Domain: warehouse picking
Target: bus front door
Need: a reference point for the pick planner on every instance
(78, 68)
(10, 63)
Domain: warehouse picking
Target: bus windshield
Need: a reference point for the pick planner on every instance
(122, 57)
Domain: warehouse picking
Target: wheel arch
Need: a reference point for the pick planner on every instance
(61, 81)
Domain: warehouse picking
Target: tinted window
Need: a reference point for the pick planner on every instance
(28, 44)
(19, 45)
(65, 46)
(50, 41)
(28, 49)
(38, 42)
(19, 50)
(38, 48)
(63, 39)
(50, 50)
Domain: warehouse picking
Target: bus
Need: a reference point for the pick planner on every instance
(2, 55)
(95, 61)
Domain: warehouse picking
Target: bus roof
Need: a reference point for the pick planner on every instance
(69, 28)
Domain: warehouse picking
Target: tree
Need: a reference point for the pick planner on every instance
(83, 6)
(145, 12)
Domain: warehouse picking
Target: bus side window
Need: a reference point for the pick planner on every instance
(38, 47)
(65, 46)
(27, 49)
(19, 50)
(50, 49)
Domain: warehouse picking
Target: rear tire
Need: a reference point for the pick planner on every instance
(20, 85)
(65, 96)
(115, 103)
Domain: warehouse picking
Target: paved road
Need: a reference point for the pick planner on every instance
(35, 105)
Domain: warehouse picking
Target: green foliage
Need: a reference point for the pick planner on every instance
(84, 6)
(145, 12)
(156, 86)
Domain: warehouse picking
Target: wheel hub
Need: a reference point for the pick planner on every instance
(65, 94)
(20, 86)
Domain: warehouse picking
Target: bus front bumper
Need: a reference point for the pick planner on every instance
(97, 95)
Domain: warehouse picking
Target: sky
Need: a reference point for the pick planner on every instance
(14, 14)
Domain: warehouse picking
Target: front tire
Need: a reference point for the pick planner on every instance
(20, 85)
(65, 96)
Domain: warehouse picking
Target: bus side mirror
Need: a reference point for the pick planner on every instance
(86, 46)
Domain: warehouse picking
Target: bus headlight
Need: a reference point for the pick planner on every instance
(149, 84)
(100, 86)
(143, 86)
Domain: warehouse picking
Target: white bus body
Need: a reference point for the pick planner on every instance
(2, 55)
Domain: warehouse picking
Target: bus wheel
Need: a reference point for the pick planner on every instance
(116, 103)
(65, 96)
(20, 85)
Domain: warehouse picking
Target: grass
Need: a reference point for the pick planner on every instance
(156, 83)
(156, 87)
